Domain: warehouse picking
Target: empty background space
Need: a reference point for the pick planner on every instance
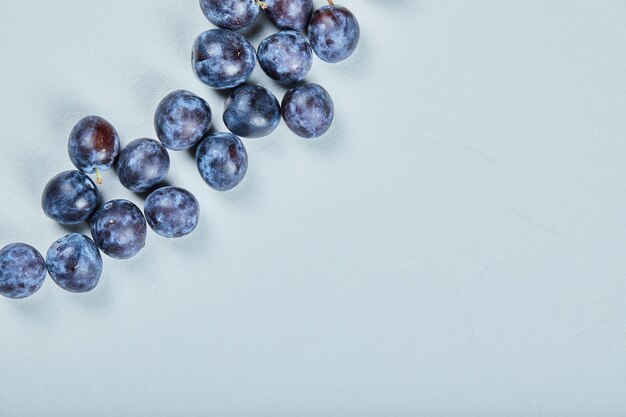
(454, 246)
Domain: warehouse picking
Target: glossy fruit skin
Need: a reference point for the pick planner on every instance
(222, 58)
(74, 263)
(289, 14)
(230, 14)
(222, 161)
(181, 120)
(70, 197)
(285, 56)
(93, 143)
(119, 229)
(334, 33)
(142, 164)
(22, 270)
(308, 110)
(172, 212)
(251, 111)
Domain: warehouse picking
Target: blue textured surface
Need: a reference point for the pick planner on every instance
(70, 197)
(334, 33)
(251, 111)
(119, 229)
(22, 270)
(222, 59)
(172, 212)
(230, 14)
(222, 161)
(308, 110)
(74, 263)
(285, 56)
(93, 143)
(142, 164)
(181, 120)
(289, 14)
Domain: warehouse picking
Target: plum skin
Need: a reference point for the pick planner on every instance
(142, 164)
(251, 111)
(222, 58)
(289, 14)
(181, 120)
(74, 263)
(93, 144)
(172, 212)
(230, 14)
(308, 110)
(70, 197)
(334, 33)
(22, 270)
(119, 229)
(222, 161)
(285, 56)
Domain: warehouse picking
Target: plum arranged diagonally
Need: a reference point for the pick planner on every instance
(221, 58)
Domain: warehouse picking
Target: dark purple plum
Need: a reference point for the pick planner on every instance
(222, 58)
(119, 229)
(181, 120)
(222, 161)
(142, 164)
(74, 263)
(334, 33)
(285, 56)
(93, 145)
(230, 14)
(70, 197)
(251, 111)
(172, 212)
(308, 110)
(22, 270)
(289, 14)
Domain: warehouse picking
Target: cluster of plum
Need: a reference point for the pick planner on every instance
(222, 59)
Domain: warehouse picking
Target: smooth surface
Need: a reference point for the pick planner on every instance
(454, 246)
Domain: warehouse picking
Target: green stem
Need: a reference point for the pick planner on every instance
(98, 177)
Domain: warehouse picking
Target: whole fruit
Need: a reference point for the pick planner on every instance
(22, 270)
(251, 111)
(74, 263)
(308, 110)
(222, 58)
(70, 197)
(93, 145)
(334, 33)
(222, 161)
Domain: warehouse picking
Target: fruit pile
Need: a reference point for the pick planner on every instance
(222, 59)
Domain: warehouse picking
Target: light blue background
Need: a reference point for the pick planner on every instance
(455, 246)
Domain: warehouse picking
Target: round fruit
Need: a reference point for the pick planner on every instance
(308, 110)
(251, 111)
(230, 14)
(22, 270)
(119, 229)
(286, 56)
(142, 164)
(222, 59)
(70, 197)
(289, 14)
(181, 120)
(222, 161)
(334, 33)
(74, 263)
(172, 211)
(93, 144)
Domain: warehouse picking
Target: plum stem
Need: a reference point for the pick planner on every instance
(331, 2)
(98, 177)
(261, 4)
